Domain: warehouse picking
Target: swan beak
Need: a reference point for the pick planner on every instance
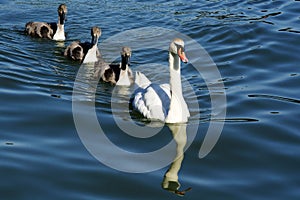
(182, 56)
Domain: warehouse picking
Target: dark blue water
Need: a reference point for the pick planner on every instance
(255, 46)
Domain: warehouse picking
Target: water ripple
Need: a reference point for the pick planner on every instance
(235, 120)
(255, 45)
(279, 98)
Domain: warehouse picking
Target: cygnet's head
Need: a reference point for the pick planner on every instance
(62, 12)
(96, 33)
(125, 55)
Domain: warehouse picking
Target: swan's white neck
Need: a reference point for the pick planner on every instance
(175, 75)
(178, 111)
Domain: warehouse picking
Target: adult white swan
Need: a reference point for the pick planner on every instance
(163, 102)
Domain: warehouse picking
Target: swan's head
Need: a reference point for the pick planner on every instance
(177, 48)
(62, 12)
(125, 55)
(173, 186)
(96, 33)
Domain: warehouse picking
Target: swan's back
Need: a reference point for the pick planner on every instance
(151, 100)
(141, 81)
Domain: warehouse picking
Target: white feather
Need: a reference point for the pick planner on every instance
(151, 100)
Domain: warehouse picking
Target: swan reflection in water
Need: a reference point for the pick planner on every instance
(171, 181)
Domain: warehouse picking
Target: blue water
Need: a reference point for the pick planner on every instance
(254, 44)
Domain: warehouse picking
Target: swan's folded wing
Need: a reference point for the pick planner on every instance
(152, 102)
(141, 81)
(138, 104)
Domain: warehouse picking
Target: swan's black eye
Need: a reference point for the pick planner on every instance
(180, 48)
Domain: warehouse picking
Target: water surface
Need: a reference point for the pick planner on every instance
(255, 45)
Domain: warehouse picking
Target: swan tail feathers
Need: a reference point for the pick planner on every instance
(141, 81)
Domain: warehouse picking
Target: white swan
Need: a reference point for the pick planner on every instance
(53, 31)
(163, 102)
(85, 52)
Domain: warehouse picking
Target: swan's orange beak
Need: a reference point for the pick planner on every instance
(182, 56)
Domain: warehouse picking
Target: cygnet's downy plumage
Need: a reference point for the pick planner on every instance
(87, 51)
(116, 73)
(53, 31)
